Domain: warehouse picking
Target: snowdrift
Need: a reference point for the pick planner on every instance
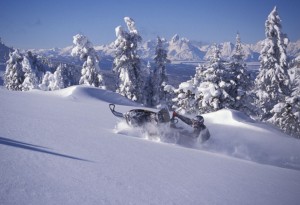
(237, 135)
(61, 147)
(83, 92)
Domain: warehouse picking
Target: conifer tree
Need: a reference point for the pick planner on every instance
(159, 78)
(127, 64)
(216, 85)
(52, 81)
(70, 74)
(90, 73)
(31, 81)
(272, 83)
(148, 87)
(209, 90)
(286, 115)
(241, 78)
(184, 101)
(14, 75)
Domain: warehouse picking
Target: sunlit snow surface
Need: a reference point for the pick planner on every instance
(65, 147)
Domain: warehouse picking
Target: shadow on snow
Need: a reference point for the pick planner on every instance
(36, 148)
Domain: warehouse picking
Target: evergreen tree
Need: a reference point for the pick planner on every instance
(169, 93)
(31, 81)
(90, 73)
(272, 82)
(37, 64)
(216, 85)
(46, 81)
(52, 81)
(159, 79)
(209, 90)
(127, 65)
(184, 101)
(295, 97)
(241, 79)
(70, 74)
(148, 88)
(286, 115)
(14, 75)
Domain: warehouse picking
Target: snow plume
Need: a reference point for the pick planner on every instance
(232, 134)
(148, 132)
(161, 133)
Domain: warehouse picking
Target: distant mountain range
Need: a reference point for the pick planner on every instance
(4, 52)
(179, 50)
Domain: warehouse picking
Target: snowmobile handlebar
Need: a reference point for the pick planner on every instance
(112, 107)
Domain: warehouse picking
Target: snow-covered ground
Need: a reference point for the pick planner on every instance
(65, 147)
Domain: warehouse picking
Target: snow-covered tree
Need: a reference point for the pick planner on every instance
(159, 78)
(216, 85)
(23, 71)
(148, 87)
(209, 90)
(14, 74)
(70, 74)
(31, 81)
(127, 64)
(241, 77)
(38, 65)
(52, 81)
(272, 83)
(296, 82)
(169, 91)
(90, 73)
(184, 100)
(286, 115)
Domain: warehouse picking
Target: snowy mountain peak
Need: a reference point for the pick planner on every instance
(179, 49)
(175, 38)
(4, 52)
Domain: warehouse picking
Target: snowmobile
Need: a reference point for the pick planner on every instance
(142, 118)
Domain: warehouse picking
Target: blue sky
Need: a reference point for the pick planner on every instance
(52, 23)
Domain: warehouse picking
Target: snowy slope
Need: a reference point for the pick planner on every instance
(62, 147)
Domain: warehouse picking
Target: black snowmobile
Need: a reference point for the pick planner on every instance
(141, 117)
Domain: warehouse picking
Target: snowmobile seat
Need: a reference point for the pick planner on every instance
(139, 117)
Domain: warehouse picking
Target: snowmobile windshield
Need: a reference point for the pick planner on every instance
(163, 115)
